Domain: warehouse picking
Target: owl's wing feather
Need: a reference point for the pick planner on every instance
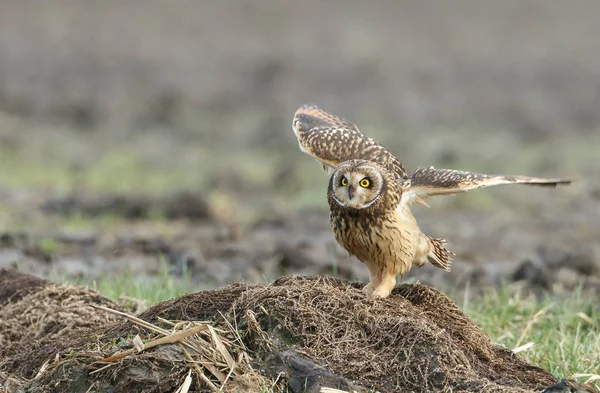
(332, 140)
(427, 182)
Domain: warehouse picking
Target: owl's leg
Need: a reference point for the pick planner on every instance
(375, 275)
(384, 289)
(370, 287)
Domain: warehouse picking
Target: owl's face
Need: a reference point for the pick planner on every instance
(357, 184)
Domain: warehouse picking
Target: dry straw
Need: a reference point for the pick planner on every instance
(214, 356)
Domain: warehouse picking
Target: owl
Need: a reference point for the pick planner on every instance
(370, 197)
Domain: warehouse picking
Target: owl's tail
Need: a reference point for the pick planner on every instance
(438, 254)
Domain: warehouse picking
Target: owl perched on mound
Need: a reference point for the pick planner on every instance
(370, 197)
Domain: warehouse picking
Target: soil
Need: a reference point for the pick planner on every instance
(298, 334)
(177, 205)
(547, 253)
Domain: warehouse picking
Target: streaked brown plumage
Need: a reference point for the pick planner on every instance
(363, 198)
(331, 140)
(375, 222)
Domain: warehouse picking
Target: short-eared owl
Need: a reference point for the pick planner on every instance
(370, 197)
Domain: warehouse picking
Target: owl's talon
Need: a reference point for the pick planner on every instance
(369, 288)
(381, 293)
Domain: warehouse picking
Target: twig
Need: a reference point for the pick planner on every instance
(90, 388)
(199, 371)
(43, 368)
(173, 338)
(102, 368)
(187, 382)
(523, 347)
(165, 321)
(133, 319)
(227, 378)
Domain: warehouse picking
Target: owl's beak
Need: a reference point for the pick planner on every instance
(350, 192)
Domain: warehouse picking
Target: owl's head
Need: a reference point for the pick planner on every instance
(357, 184)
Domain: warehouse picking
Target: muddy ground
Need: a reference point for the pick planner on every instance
(546, 252)
(283, 337)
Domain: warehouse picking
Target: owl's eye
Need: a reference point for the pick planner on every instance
(344, 182)
(365, 183)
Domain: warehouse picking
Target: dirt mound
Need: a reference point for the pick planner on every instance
(417, 340)
(39, 320)
(300, 333)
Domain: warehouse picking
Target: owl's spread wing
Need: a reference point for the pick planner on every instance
(333, 140)
(427, 182)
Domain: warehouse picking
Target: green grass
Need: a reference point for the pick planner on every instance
(148, 289)
(564, 330)
(49, 245)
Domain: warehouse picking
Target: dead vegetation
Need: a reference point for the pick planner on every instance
(216, 357)
(41, 319)
(298, 334)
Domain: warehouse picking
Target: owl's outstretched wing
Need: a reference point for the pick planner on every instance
(333, 140)
(427, 182)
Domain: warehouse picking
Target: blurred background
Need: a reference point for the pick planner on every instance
(153, 137)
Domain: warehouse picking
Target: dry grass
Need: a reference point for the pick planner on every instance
(216, 358)
(36, 326)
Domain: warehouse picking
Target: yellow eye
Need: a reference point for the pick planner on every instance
(365, 183)
(344, 182)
